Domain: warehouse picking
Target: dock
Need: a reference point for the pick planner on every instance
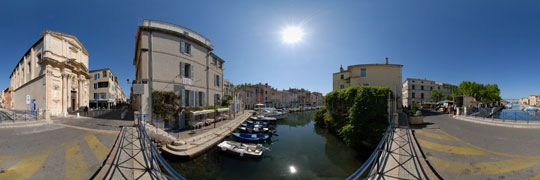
(196, 145)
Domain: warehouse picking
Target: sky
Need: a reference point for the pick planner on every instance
(492, 41)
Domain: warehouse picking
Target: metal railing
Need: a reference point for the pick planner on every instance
(159, 168)
(377, 158)
(21, 116)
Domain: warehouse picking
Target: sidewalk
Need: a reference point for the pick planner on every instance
(190, 145)
(19, 123)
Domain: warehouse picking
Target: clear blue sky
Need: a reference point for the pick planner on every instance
(485, 41)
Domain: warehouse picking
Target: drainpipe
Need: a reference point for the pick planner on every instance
(207, 79)
(150, 87)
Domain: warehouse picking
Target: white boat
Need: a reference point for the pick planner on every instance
(271, 112)
(242, 149)
(263, 118)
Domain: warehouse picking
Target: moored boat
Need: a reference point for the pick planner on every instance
(254, 130)
(242, 149)
(247, 137)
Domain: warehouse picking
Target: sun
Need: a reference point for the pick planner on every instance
(292, 34)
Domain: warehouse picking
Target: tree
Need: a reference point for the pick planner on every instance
(488, 92)
(436, 95)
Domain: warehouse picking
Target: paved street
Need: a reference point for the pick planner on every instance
(462, 150)
(66, 149)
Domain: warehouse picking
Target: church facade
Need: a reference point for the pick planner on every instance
(52, 75)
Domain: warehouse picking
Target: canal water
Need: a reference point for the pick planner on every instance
(515, 114)
(300, 151)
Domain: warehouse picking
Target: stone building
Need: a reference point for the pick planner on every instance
(418, 91)
(52, 75)
(170, 57)
(105, 92)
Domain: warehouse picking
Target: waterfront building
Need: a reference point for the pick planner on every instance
(383, 75)
(533, 100)
(418, 91)
(52, 75)
(523, 101)
(317, 99)
(228, 88)
(169, 57)
(246, 94)
(105, 92)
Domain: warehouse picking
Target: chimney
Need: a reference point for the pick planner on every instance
(386, 60)
(341, 68)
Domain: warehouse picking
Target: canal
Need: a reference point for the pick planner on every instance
(516, 114)
(300, 151)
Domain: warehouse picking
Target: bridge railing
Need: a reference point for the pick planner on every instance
(377, 158)
(159, 168)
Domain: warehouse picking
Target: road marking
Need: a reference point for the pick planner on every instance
(27, 167)
(433, 135)
(75, 165)
(89, 129)
(484, 168)
(450, 149)
(487, 150)
(537, 177)
(97, 147)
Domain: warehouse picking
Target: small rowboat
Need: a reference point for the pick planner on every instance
(241, 149)
(253, 130)
(247, 137)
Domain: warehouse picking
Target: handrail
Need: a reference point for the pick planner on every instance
(155, 162)
(371, 161)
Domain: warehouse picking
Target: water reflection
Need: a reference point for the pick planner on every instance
(301, 151)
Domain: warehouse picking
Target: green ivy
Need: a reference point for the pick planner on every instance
(357, 114)
(165, 104)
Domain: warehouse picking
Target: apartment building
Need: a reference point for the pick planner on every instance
(523, 101)
(418, 91)
(52, 75)
(533, 100)
(105, 92)
(317, 99)
(169, 57)
(228, 88)
(383, 75)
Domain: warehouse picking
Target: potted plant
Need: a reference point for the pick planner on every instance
(417, 118)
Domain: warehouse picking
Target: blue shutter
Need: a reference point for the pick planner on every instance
(182, 69)
(183, 97)
(191, 67)
(191, 98)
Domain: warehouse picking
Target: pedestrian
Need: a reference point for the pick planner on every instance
(86, 110)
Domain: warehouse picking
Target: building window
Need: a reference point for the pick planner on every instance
(220, 64)
(421, 87)
(413, 87)
(103, 95)
(422, 95)
(413, 95)
(96, 95)
(439, 87)
(187, 70)
(265, 92)
(363, 72)
(96, 76)
(186, 97)
(95, 85)
(187, 48)
(104, 73)
(214, 60)
(103, 84)
(341, 86)
(216, 80)
(431, 88)
(266, 98)
(366, 84)
(342, 76)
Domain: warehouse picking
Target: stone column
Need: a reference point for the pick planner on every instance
(79, 92)
(64, 93)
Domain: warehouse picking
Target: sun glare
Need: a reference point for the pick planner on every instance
(292, 34)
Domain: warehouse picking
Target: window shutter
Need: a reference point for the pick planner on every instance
(182, 69)
(183, 97)
(197, 98)
(191, 73)
(215, 80)
(182, 46)
(191, 98)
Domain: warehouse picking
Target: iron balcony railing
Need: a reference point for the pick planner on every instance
(160, 169)
(377, 158)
